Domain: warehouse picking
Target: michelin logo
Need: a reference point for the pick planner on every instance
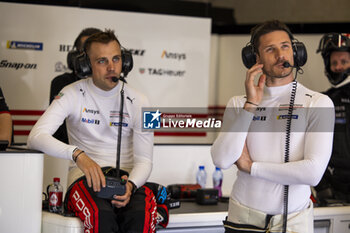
(151, 120)
(11, 44)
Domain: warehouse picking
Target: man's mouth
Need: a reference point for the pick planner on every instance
(280, 64)
(112, 77)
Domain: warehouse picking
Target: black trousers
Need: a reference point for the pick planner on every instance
(98, 215)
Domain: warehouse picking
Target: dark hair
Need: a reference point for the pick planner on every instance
(100, 37)
(267, 27)
(85, 32)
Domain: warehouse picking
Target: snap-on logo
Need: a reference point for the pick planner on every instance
(17, 65)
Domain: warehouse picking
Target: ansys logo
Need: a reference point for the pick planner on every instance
(151, 120)
(171, 55)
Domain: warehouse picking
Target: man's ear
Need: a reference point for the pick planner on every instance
(258, 60)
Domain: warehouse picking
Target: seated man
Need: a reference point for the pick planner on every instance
(91, 108)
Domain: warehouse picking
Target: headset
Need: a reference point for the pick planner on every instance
(78, 43)
(82, 64)
(71, 57)
(329, 43)
(299, 51)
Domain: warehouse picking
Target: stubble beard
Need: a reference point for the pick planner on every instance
(272, 75)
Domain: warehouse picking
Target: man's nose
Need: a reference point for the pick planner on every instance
(280, 54)
(110, 66)
(339, 67)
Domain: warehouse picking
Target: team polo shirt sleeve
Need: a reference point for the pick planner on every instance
(317, 150)
(40, 137)
(228, 146)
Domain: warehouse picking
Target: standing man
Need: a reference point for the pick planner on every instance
(92, 109)
(59, 82)
(277, 136)
(335, 50)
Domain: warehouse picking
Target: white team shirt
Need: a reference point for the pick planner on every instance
(310, 147)
(92, 117)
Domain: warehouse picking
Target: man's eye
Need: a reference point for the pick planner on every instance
(102, 61)
(344, 62)
(116, 59)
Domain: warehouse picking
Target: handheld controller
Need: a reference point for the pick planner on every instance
(114, 186)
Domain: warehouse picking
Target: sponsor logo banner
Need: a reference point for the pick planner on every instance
(17, 65)
(60, 67)
(162, 72)
(172, 55)
(90, 121)
(118, 123)
(137, 52)
(65, 48)
(86, 110)
(11, 44)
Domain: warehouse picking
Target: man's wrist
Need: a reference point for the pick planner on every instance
(76, 153)
(250, 107)
(251, 103)
(134, 187)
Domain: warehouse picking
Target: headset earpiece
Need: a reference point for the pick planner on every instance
(71, 57)
(248, 56)
(83, 65)
(127, 62)
(299, 53)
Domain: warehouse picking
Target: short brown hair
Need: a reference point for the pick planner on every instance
(267, 27)
(100, 37)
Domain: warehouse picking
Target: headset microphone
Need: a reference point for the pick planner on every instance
(287, 64)
(121, 78)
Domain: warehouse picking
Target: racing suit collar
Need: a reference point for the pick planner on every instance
(279, 90)
(98, 91)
